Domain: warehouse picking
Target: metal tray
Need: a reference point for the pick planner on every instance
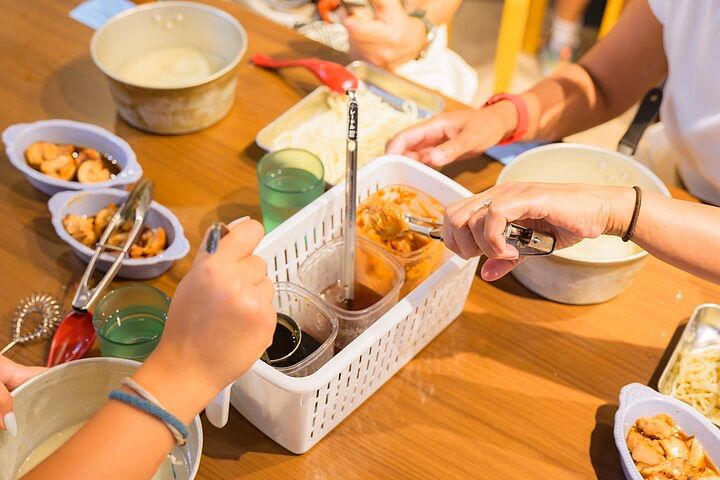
(393, 89)
(703, 330)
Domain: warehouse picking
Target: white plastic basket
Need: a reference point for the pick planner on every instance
(298, 412)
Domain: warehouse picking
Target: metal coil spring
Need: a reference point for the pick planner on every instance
(47, 306)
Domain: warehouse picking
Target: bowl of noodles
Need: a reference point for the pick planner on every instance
(692, 373)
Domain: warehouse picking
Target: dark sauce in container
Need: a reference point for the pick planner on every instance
(284, 341)
(364, 297)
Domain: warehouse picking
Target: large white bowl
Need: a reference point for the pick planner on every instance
(637, 401)
(68, 394)
(90, 202)
(567, 276)
(19, 136)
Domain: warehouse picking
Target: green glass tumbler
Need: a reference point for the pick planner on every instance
(289, 180)
(130, 320)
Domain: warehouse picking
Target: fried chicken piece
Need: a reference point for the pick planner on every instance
(151, 242)
(81, 228)
(92, 171)
(674, 448)
(659, 426)
(40, 152)
(102, 218)
(62, 167)
(675, 469)
(645, 450)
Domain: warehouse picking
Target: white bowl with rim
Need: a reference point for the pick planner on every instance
(20, 136)
(92, 201)
(594, 270)
(71, 393)
(638, 401)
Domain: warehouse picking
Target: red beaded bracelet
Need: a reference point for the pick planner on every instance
(522, 115)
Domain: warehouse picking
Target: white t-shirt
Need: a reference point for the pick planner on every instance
(691, 104)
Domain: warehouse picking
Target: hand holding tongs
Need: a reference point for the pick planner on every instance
(75, 334)
(525, 240)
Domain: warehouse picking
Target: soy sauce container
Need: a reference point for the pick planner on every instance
(318, 326)
(375, 270)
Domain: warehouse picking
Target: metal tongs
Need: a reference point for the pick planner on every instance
(134, 209)
(75, 334)
(525, 240)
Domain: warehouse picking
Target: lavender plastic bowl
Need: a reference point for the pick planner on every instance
(21, 135)
(92, 201)
(637, 401)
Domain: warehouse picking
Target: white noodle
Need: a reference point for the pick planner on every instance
(325, 133)
(697, 381)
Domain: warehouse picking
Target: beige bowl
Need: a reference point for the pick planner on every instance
(595, 270)
(202, 90)
(68, 394)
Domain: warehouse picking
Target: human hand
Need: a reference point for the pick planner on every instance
(221, 318)
(455, 135)
(390, 39)
(12, 375)
(569, 212)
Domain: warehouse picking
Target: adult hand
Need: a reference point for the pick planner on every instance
(221, 317)
(455, 135)
(569, 212)
(389, 39)
(12, 375)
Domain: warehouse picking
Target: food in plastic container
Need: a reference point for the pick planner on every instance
(419, 255)
(375, 270)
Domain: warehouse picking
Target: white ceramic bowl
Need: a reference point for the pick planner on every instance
(90, 202)
(68, 394)
(19, 136)
(637, 401)
(587, 273)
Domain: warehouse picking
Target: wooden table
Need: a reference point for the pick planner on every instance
(517, 387)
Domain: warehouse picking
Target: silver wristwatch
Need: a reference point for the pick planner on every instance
(430, 28)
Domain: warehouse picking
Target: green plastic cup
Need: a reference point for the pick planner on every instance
(289, 180)
(129, 321)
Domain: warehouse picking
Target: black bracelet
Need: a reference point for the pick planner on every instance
(636, 213)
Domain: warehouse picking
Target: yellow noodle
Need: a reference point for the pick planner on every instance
(696, 381)
(324, 134)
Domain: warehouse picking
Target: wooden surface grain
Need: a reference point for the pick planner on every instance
(517, 387)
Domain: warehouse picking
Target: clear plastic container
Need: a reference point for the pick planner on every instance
(374, 268)
(314, 318)
(419, 256)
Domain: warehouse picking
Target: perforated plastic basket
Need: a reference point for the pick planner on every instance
(298, 412)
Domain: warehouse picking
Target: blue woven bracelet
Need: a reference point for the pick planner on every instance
(152, 409)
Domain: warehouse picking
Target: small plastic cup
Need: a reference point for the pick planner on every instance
(374, 267)
(289, 180)
(129, 321)
(315, 320)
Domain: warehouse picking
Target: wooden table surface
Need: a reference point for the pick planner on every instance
(516, 387)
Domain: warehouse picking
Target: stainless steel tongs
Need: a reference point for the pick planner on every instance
(135, 209)
(525, 240)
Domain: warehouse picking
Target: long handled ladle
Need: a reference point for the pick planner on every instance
(332, 74)
(75, 334)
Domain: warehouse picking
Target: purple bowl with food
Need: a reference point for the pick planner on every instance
(79, 219)
(58, 155)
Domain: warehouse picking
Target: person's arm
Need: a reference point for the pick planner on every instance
(439, 12)
(613, 75)
(393, 37)
(221, 319)
(681, 233)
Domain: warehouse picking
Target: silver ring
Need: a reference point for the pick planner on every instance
(486, 202)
